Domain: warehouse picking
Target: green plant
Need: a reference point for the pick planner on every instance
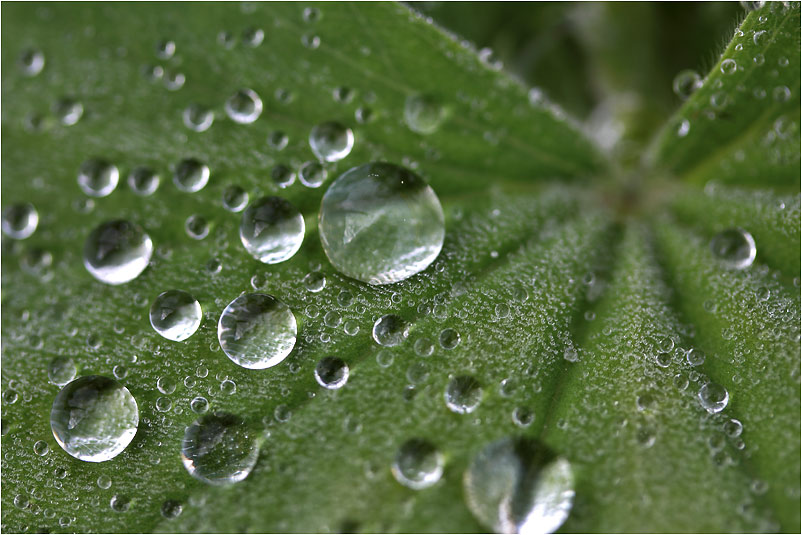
(566, 269)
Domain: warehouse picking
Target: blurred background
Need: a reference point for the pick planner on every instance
(610, 64)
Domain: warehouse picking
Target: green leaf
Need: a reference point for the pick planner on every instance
(564, 287)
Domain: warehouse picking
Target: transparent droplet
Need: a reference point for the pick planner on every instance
(68, 111)
(61, 370)
(684, 128)
(20, 220)
(331, 141)
(695, 357)
(171, 509)
(733, 428)
(103, 481)
(235, 199)
(175, 315)
(119, 503)
(98, 178)
(31, 61)
(363, 114)
(314, 281)
(257, 331)
(311, 14)
(199, 405)
(312, 174)
(253, 37)
(227, 386)
(729, 66)
(752, 5)
(166, 385)
(191, 175)
(381, 223)
(310, 41)
(116, 252)
(94, 418)
(196, 226)
(244, 106)
(282, 175)
(174, 80)
(463, 394)
(449, 338)
(424, 347)
(278, 140)
(331, 373)
(41, 448)
(143, 181)
(418, 464)
(686, 83)
(165, 49)
(423, 113)
(519, 486)
(198, 118)
(390, 330)
(219, 449)
(272, 230)
(734, 247)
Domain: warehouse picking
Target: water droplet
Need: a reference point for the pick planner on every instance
(663, 359)
(20, 220)
(257, 331)
(781, 94)
(310, 41)
(116, 252)
(41, 448)
(363, 114)
(523, 416)
(198, 118)
(165, 49)
(463, 394)
(61, 370)
(199, 405)
(695, 357)
(191, 175)
(171, 509)
(227, 386)
(423, 113)
(312, 174)
(390, 330)
(381, 223)
(219, 449)
(98, 178)
(733, 428)
(175, 315)
(519, 486)
(728, 66)
(311, 14)
(418, 464)
(282, 175)
(449, 338)
(719, 100)
(94, 418)
(196, 226)
(163, 404)
(244, 106)
(734, 247)
(143, 181)
(752, 5)
(272, 230)
(278, 140)
(31, 61)
(253, 37)
(68, 110)
(235, 199)
(120, 504)
(331, 141)
(686, 83)
(104, 482)
(713, 397)
(684, 128)
(166, 385)
(424, 347)
(331, 373)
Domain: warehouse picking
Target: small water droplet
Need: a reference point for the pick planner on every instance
(272, 230)
(423, 113)
(116, 252)
(311, 14)
(199, 405)
(143, 181)
(418, 464)
(695, 357)
(713, 397)
(166, 385)
(191, 175)
(68, 111)
(235, 199)
(219, 449)
(227, 386)
(31, 61)
(729, 66)
(315, 281)
(684, 128)
(61, 370)
(463, 394)
(175, 315)
(104, 482)
(686, 83)
(331, 373)
(733, 428)
(312, 174)
(331, 141)
(244, 106)
(120, 504)
(98, 178)
(171, 509)
(165, 49)
(20, 220)
(734, 247)
(94, 418)
(196, 227)
(523, 416)
(41, 448)
(253, 37)
(198, 118)
(257, 331)
(449, 338)
(277, 140)
(310, 41)
(390, 330)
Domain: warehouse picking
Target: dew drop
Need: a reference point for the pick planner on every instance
(98, 178)
(143, 181)
(686, 83)
(423, 347)
(41, 448)
(257, 331)
(31, 61)
(734, 247)
(519, 486)
(175, 315)
(171, 509)
(312, 174)
(449, 338)
(423, 113)
(61, 370)
(272, 230)
(390, 330)
(418, 464)
(244, 106)
(94, 418)
(196, 226)
(463, 394)
(728, 66)
(733, 428)
(191, 175)
(381, 223)
(684, 128)
(68, 111)
(165, 49)
(311, 14)
(116, 252)
(695, 357)
(331, 141)
(166, 385)
(522, 416)
(253, 37)
(713, 397)
(119, 503)
(198, 118)
(235, 199)
(219, 449)
(199, 405)
(277, 140)
(104, 482)
(20, 220)
(282, 175)
(315, 281)
(331, 373)
(310, 41)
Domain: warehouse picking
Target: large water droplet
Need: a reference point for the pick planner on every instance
(219, 449)
(519, 486)
(272, 230)
(331, 141)
(175, 315)
(331, 373)
(97, 177)
(257, 331)
(735, 247)
(463, 394)
(117, 252)
(390, 330)
(244, 106)
(381, 223)
(713, 397)
(94, 418)
(418, 464)
(191, 175)
(20, 220)
(423, 113)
